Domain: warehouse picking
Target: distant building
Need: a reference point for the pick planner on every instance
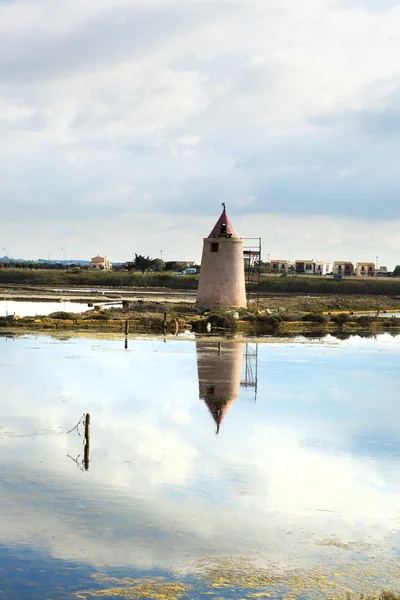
(382, 272)
(365, 269)
(100, 263)
(304, 267)
(279, 265)
(342, 267)
(322, 267)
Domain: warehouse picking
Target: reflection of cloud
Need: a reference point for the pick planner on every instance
(163, 490)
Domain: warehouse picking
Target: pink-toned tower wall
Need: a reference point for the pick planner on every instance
(222, 279)
(219, 368)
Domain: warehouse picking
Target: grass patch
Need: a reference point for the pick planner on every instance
(341, 318)
(63, 315)
(315, 318)
(146, 307)
(366, 320)
(323, 285)
(93, 278)
(270, 284)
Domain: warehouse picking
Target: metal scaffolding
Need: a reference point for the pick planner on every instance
(252, 262)
(250, 375)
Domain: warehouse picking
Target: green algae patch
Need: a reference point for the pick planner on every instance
(236, 577)
(134, 589)
(354, 581)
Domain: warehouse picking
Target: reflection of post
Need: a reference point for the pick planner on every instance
(219, 367)
(87, 442)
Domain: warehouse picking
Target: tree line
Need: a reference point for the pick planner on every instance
(140, 263)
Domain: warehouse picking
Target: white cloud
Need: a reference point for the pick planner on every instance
(190, 104)
(189, 140)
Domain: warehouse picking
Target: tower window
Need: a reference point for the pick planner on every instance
(214, 246)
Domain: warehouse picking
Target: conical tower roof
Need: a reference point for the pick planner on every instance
(218, 410)
(223, 227)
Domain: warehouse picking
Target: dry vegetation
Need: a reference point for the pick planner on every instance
(269, 284)
(271, 317)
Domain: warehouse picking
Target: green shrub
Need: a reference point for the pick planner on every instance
(99, 316)
(365, 320)
(153, 307)
(341, 318)
(315, 318)
(62, 314)
(222, 320)
(391, 322)
(269, 323)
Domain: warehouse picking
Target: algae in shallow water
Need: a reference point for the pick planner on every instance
(349, 582)
(134, 589)
(233, 576)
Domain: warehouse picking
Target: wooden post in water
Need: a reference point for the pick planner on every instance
(87, 442)
(165, 323)
(126, 327)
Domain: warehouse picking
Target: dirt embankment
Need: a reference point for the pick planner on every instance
(31, 293)
(277, 301)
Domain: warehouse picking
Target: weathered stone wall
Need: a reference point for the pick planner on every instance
(222, 280)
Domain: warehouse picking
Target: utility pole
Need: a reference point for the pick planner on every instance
(65, 258)
(7, 255)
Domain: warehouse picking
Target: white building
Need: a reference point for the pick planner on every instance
(322, 267)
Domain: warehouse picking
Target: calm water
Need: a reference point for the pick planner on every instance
(298, 493)
(31, 309)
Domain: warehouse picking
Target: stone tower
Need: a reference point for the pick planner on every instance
(222, 282)
(219, 367)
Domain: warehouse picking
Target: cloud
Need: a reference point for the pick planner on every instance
(190, 104)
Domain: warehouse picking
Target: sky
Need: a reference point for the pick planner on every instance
(125, 123)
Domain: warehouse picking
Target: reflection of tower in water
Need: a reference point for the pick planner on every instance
(219, 366)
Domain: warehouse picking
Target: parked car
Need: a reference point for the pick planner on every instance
(190, 271)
